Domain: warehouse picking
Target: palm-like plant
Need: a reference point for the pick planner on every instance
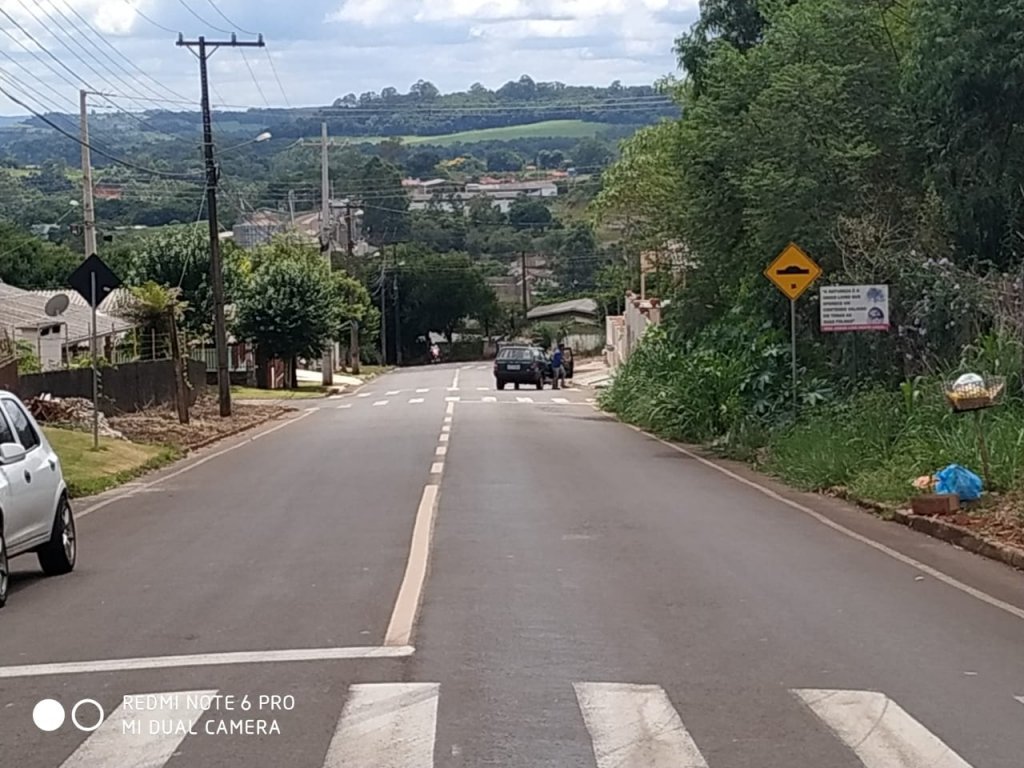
(152, 307)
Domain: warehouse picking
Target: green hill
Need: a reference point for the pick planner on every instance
(570, 129)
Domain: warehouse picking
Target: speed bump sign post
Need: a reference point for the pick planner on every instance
(793, 272)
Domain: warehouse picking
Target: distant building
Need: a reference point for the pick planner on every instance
(260, 227)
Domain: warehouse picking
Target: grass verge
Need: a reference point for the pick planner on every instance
(303, 392)
(88, 472)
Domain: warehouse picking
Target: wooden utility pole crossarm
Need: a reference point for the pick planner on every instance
(206, 49)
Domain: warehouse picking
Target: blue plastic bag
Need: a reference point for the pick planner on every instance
(959, 480)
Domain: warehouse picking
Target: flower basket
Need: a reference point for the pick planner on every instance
(975, 394)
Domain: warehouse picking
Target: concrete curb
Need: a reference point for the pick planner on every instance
(963, 538)
(939, 529)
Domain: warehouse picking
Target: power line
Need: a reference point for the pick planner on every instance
(77, 140)
(201, 19)
(229, 21)
(114, 48)
(156, 24)
(255, 82)
(273, 68)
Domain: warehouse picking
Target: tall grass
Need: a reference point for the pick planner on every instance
(873, 442)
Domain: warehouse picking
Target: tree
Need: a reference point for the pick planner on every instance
(576, 262)
(550, 159)
(439, 290)
(592, 153)
(966, 81)
(30, 263)
(385, 203)
(289, 305)
(181, 259)
(424, 90)
(150, 308)
(529, 213)
(422, 163)
(504, 160)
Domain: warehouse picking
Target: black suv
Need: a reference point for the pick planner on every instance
(521, 364)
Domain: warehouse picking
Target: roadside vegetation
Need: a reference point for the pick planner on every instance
(88, 471)
(853, 129)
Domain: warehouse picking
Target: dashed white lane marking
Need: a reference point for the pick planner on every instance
(365, 394)
(453, 399)
(879, 731)
(490, 399)
(446, 428)
(450, 408)
(335, 397)
(344, 406)
(152, 745)
(635, 725)
(205, 660)
(444, 437)
(441, 450)
(447, 419)
(415, 400)
(559, 401)
(524, 399)
(1020, 699)
(312, 409)
(437, 468)
(483, 389)
(403, 617)
(453, 389)
(386, 725)
(380, 403)
(422, 391)
(393, 392)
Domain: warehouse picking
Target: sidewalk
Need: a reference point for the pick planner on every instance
(592, 373)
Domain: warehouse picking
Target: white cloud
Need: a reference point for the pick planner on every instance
(367, 44)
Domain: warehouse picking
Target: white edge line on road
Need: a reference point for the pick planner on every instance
(995, 602)
(79, 514)
(410, 594)
(207, 660)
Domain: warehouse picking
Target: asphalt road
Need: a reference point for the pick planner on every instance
(431, 572)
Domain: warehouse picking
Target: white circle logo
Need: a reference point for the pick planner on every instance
(48, 715)
(100, 714)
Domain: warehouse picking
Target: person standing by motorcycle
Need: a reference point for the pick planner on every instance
(435, 353)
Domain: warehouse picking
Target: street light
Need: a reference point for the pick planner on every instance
(265, 136)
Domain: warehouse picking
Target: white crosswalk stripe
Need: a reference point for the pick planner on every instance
(524, 399)
(635, 726)
(380, 403)
(490, 399)
(126, 738)
(344, 406)
(879, 731)
(365, 394)
(388, 725)
(422, 391)
(559, 401)
(394, 725)
(415, 400)
(393, 392)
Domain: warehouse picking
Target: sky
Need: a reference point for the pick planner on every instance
(323, 49)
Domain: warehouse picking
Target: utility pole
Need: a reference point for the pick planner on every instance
(325, 238)
(291, 206)
(383, 308)
(88, 206)
(353, 340)
(526, 290)
(398, 332)
(206, 49)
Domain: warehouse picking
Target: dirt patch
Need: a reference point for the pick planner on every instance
(159, 426)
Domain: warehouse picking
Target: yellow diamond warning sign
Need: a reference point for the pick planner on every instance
(793, 271)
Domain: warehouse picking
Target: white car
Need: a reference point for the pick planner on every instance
(35, 512)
